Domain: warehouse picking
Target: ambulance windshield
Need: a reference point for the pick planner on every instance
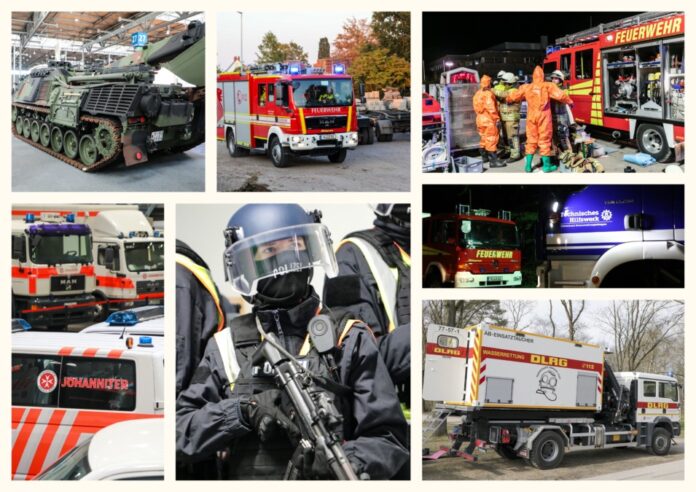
(145, 256)
(60, 249)
(72, 466)
(314, 93)
(484, 234)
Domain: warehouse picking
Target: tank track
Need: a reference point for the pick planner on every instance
(74, 162)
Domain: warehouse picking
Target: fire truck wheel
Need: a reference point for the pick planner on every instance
(339, 156)
(548, 450)
(232, 147)
(279, 154)
(506, 451)
(652, 140)
(661, 442)
(433, 279)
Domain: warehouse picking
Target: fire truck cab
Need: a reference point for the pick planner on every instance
(52, 270)
(288, 109)
(471, 249)
(628, 76)
(67, 386)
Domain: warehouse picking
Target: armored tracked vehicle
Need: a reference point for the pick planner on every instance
(91, 117)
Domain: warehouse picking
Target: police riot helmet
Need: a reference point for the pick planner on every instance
(271, 251)
(397, 212)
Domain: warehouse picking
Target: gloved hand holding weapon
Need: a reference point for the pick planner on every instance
(317, 416)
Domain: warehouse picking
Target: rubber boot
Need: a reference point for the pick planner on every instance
(484, 155)
(494, 162)
(528, 163)
(515, 154)
(547, 166)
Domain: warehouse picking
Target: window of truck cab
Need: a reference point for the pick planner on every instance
(322, 92)
(90, 383)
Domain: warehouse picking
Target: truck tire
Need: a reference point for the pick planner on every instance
(280, 156)
(506, 451)
(338, 156)
(370, 136)
(548, 450)
(433, 279)
(651, 139)
(232, 148)
(101, 309)
(661, 442)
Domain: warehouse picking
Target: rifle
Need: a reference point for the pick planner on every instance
(317, 414)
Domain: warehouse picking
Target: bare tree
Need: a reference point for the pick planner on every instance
(641, 330)
(573, 316)
(518, 310)
(551, 320)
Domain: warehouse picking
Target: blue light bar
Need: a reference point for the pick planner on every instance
(122, 318)
(339, 69)
(70, 218)
(157, 233)
(29, 218)
(294, 69)
(131, 234)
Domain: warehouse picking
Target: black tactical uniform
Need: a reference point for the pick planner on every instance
(210, 414)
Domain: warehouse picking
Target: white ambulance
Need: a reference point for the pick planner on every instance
(67, 386)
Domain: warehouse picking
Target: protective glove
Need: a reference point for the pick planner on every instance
(264, 412)
(315, 465)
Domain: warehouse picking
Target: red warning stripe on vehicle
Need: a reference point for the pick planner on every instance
(538, 359)
(435, 349)
(58, 308)
(656, 404)
(66, 351)
(45, 443)
(115, 282)
(22, 213)
(23, 437)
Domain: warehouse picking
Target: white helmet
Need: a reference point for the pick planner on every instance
(558, 74)
(500, 74)
(508, 78)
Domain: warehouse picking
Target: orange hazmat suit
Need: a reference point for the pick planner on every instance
(538, 95)
(487, 117)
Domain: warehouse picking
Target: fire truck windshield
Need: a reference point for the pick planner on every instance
(145, 256)
(314, 93)
(484, 234)
(60, 249)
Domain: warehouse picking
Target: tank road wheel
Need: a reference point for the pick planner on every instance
(26, 127)
(45, 135)
(70, 144)
(19, 124)
(35, 130)
(14, 114)
(56, 139)
(105, 139)
(88, 150)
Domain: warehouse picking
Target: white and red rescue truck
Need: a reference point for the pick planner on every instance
(128, 254)
(628, 76)
(288, 109)
(536, 397)
(67, 386)
(471, 249)
(52, 270)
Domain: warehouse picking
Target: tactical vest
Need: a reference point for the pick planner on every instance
(203, 276)
(391, 268)
(249, 458)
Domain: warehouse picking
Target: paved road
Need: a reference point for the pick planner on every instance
(673, 470)
(634, 463)
(383, 166)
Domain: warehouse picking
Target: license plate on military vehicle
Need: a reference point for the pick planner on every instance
(157, 136)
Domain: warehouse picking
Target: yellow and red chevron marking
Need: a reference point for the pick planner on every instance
(596, 112)
(476, 367)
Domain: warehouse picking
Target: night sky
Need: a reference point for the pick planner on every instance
(516, 198)
(467, 32)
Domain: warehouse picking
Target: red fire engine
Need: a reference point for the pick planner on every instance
(628, 76)
(471, 249)
(288, 109)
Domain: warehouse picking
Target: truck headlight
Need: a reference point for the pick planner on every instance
(353, 138)
(296, 139)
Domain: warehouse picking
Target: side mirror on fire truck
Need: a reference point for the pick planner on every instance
(18, 249)
(109, 257)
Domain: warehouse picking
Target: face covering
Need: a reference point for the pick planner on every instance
(284, 291)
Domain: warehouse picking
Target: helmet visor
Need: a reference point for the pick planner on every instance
(277, 252)
(382, 209)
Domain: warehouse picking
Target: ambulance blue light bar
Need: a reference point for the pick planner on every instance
(145, 342)
(122, 318)
(70, 218)
(29, 218)
(20, 324)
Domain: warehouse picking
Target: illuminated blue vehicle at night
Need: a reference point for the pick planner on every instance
(615, 236)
